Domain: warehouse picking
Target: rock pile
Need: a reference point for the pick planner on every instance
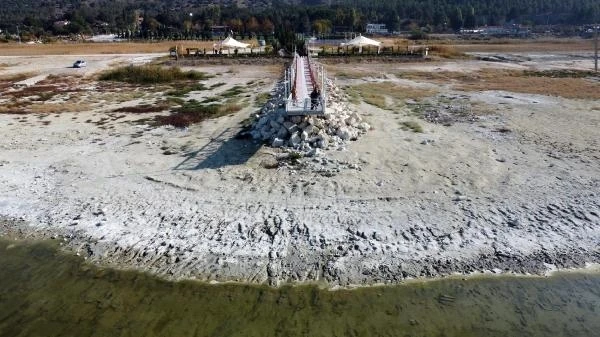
(306, 134)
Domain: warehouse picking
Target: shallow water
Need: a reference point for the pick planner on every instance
(47, 293)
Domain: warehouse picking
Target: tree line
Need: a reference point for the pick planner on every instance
(178, 19)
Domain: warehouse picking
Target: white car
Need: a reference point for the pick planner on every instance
(79, 64)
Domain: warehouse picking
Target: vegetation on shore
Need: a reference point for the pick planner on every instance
(279, 21)
(192, 112)
(150, 74)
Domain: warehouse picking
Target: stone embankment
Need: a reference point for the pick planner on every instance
(307, 134)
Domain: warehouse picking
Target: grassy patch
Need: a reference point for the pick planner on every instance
(345, 73)
(232, 92)
(353, 95)
(45, 96)
(292, 158)
(211, 100)
(150, 74)
(175, 100)
(262, 99)
(560, 73)
(193, 112)
(216, 85)
(559, 82)
(376, 93)
(144, 108)
(42, 108)
(248, 122)
(16, 77)
(178, 92)
(37, 90)
(412, 125)
(448, 52)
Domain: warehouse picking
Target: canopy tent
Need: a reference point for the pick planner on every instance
(361, 41)
(230, 42)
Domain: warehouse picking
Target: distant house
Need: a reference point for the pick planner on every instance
(61, 23)
(498, 31)
(471, 31)
(376, 28)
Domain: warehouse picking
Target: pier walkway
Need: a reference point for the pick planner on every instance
(302, 77)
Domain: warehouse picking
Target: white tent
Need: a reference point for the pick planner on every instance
(230, 42)
(361, 41)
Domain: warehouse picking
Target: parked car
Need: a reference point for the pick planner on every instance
(79, 64)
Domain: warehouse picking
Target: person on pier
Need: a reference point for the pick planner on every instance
(315, 96)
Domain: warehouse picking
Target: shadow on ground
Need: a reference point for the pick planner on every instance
(224, 150)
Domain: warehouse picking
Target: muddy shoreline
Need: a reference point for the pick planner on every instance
(315, 263)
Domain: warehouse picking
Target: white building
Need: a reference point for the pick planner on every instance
(376, 28)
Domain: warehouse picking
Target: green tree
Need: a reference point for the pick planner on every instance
(456, 19)
(470, 20)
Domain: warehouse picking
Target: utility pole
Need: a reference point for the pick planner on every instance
(18, 34)
(596, 48)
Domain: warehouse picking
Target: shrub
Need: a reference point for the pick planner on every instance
(560, 73)
(234, 91)
(193, 112)
(150, 74)
(412, 125)
(445, 51)
(144, 108)
(186, 89)
(216, 85)
(262, 99)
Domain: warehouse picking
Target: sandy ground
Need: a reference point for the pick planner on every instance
(462, 198)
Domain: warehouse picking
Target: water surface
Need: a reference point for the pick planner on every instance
(47, 293)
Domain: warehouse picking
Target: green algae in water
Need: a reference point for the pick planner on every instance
(46, 293)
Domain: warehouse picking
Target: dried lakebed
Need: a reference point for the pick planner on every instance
(46, 292)
(199, 203)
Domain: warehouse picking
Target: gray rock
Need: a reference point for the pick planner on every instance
(262, 121)
(275, 125)
(314, 153)
(292, 129)
(309, 129)
(278, 142)
(364, 126)
(288, 124)
(266, 134)
(282, 133)
(343, 133)
(295, 139)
